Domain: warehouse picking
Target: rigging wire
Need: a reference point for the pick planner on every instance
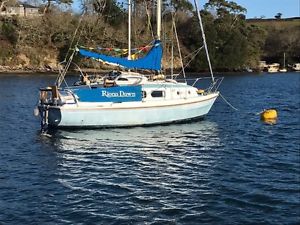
(195, 53)
(75, 33)
(178, 45)
(62, 75)
(204, 41)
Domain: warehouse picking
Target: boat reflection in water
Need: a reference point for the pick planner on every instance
(200, 134)
(141, 149)
(125, 174)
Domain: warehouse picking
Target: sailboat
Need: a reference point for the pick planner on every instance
(283, 70)
(126, 98)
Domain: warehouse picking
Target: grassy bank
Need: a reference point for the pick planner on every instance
(282, 37)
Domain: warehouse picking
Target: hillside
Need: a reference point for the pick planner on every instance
(282, 37)
(39, 43)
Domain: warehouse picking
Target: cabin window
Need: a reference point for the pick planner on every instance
(144, 94)
(178, 92)
(157, 94)
(122, 79)
(189, 92)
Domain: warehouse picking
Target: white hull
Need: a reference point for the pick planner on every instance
(283, 70)
(272, 70)
(129, 114)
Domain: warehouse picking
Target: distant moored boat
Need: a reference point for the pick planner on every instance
(273, 68)
(283, 69)
(296, 67)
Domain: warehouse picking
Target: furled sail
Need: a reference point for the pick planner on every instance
(151, 61)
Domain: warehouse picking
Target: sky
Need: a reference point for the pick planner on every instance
(268, 8)
(258, 8)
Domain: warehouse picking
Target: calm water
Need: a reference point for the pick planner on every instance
(229, 168)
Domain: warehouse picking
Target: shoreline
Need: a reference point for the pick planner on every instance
(90, 70)
(49, 72)
(52, 73)
(93, 71)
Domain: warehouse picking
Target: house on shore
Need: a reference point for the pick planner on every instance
(21, 10)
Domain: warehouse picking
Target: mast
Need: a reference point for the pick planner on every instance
(284, 60)
(158, 18)
(204, 41)
(172, 59)
(129, 29)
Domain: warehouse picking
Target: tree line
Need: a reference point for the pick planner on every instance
(234, 43)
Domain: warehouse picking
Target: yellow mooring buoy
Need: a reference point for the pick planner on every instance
(269, 116)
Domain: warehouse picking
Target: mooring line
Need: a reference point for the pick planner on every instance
(228, 103)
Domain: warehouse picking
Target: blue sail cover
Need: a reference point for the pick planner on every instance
(152, 61)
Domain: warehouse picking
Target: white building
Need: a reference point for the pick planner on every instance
(21, 9)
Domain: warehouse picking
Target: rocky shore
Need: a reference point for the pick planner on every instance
(24, 64)
(20, 69)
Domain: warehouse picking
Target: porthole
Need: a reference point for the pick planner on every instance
(144, 94)
(122, 79)
(157, 94)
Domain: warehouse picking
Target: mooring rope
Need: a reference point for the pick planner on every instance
(228, 103)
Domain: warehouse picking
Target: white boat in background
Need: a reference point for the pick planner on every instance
(273, 68)
(296, 67)
(126, 98)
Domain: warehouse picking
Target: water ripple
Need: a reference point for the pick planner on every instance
(229, 168)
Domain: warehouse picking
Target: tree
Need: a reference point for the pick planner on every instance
(232, 44)
(182, 5)
(59, 2)
(223, 7)
(110, 10)
(256, 37)
(278, 16)
(2, 4)
(9, 30)
(93, 6)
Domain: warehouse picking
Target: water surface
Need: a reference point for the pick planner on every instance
(229, 168)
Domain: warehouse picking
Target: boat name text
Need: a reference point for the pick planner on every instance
(118, 94)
